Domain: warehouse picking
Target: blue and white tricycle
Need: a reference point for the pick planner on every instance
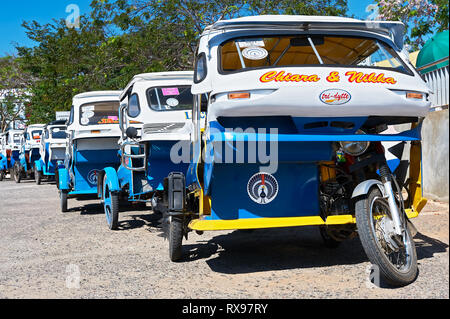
(29, 152)
(10, 150)
(93, 134)
(299, 108)
(52, 150)
(155, 115)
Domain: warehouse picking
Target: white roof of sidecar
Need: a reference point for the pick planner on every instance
(157, 76)
(11, 133)
(96, 94)
(391, 29)
(34, 126)
(106, 130)
(160, 125)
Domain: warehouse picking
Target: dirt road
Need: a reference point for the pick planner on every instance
(47, 254)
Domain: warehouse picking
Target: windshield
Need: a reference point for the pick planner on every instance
(35, 135)
(313, 50)
(173, 98)
(16, 138)
(58, 132)
(99, 113)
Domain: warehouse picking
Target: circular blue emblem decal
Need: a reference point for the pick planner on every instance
(262, 188)
(92, 176)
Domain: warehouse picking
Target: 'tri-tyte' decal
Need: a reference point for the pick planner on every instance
(335, 97)
(262, 188)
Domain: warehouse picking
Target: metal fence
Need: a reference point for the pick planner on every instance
(438, 80)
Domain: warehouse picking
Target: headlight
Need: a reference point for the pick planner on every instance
(355, 148)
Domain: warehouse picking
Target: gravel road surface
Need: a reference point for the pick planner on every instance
(47, 254)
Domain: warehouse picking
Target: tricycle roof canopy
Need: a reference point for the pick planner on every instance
(157, 76)
(392, 29)
(95, 94)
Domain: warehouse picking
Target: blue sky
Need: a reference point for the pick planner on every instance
(13, 13)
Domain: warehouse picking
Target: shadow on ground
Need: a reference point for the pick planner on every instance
(147, 219)
(286, 248)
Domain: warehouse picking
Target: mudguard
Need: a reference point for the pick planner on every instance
(111, 179)
(364, 187)
(38, 165)
(63, 179)
(3, 163)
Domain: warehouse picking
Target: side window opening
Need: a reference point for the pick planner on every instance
(200, 68)
(71, 115)
(134, 108)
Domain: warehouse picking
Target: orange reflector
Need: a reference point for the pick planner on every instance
(413, 95)
(95, 131)
(239, 95)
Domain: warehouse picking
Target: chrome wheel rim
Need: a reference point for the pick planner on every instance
(401, 260)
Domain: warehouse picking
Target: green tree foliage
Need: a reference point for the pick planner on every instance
(14, 95)
(121, 38)
(421, 17)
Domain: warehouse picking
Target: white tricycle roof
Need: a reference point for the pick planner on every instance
(308, 66)
(167, 124)
(32, 141)
(9, 141)
(80, 124)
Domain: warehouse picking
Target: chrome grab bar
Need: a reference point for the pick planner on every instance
(121, 109)
(129, 156)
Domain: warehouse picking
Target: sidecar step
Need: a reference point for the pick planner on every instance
(274, 222)
(270, 222)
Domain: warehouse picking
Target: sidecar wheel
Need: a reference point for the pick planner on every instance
(398, 267)
(111, 206)
(328, 240)
(63, 200)
(17, 174)
(37, 176)
(175, 239)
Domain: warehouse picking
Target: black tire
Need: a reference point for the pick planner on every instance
(111, 206)
(17, 174)
(328, 240)
(63, 199)
(374, 250)
(57, 178)
(37, 176)
(2, 175)
(175, 239)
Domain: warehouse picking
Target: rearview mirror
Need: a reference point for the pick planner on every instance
(131, 132)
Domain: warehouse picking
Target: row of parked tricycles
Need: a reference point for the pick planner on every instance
(32, 152)
(286, 121)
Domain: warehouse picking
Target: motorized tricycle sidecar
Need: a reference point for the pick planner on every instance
(3, 163)
(52, 150)
(155, 115)
(297, 113)
(10, 151)
(93, 134)
(29, 152)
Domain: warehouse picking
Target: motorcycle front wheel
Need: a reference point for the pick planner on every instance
(397, 260)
